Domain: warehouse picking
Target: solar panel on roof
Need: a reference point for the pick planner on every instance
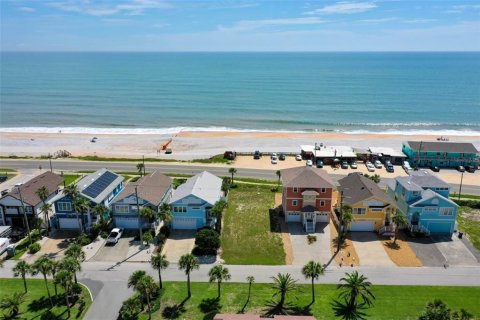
(99, 185)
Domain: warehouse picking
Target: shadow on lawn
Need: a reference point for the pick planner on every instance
(275, 308)
(174, 311)
(392, 245)
(210, 307)
(43, 303)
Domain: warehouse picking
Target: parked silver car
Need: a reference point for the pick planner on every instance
(115, 235)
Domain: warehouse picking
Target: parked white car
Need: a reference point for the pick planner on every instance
(370, 166)
(378, 164)
(115, 235)
(274, 160)
(298, 157)
(406, 167)
(353, 165)
(309, 163)
(273, 155)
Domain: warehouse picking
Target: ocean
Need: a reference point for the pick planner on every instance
(167, 92)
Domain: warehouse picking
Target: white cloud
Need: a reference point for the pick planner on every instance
(255, 24)
(344, 8)
(420, 20)
(463, 7)
(380, 20)
(130, 7)
(26, 9)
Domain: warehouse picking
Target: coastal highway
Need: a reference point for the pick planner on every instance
(173, 167)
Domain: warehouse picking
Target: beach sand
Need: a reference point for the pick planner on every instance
(195, 145)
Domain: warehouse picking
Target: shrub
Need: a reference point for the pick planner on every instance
(311, 239)
(84, 239)
(36, 235)
(165, 230)
(207, 241)
(104, 234)
(130, 308)
(161, 238)
(34, 247)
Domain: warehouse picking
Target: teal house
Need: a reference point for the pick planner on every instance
(423, 199)
(192, 201)
(440, 154)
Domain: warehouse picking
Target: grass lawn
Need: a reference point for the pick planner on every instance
(246, 235)
(469, 222)
(70, 178)
(392, 302)
(36, 303)
(7, 170)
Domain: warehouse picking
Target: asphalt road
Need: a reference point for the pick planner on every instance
(181, 168)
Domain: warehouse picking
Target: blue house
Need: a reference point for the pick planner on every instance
(149, 191)
(192, 201)
(100, 187)
(423, 198)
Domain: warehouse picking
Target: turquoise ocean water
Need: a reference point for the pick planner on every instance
(158, 92)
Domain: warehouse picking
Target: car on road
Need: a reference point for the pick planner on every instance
(298, 157)
(470, 169)
(389, 167)
(257, 155)
(115, 235)
(370, 166)
(274, 160)
(344, 165)
(309, 163)
(435, 169)
(461, 168)
(319, 164)
(353, 165)
(406, 167)
(281, 156)
(378, 164)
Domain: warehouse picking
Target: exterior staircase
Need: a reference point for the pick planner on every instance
(309, 226)
(387, 231)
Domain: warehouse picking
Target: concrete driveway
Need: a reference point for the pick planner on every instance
(302, 251)
(426, 250)
(370, 250)
(114, 253)
(179, 243)
(454, 251)
(53, 246)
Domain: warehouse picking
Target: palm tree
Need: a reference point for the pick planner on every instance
(232, 171)
(99, 210)
(279, 175)
(251, 280)
(312, 270)
(64, 278)
(55, 268)
(43, 194)
(81, 205)
(347, 217)
(159, 262)
(399, 220)
(72, 265)
(22, 268)
(12, 304)
(75, 251)
(140, 167)
(219, 273)
(145, 213)
(188, 262)
(165, 213)
(146, 287)
(283, 284)
(135, 277)
(45, 209)
(352, 287)
(43, 265)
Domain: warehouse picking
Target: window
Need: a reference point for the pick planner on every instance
(195, 208)
(295, 189)
(323, 190)
(446, 211)
(294, 202)
(121, 208)
(322, 203)
(359, 211)
(376, 209)
(180, 209)
(430, 209)
(64, 206)
(28, 209)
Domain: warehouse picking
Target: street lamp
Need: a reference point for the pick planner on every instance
(460, 191)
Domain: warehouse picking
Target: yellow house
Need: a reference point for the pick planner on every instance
(372, 209)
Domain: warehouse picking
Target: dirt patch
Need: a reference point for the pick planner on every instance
(287, 243)
(347, 256)
(472, 214)
(400, 253)
(278, 200)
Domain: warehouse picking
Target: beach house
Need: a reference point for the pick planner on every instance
(307, 196)
(149, 191)
(25, 196)
(441, 154)
(192, 201)
(372, 208)
(423, 198)
(100, 187)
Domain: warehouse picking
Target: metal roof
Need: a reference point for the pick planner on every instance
(437, 146)
(429, 194)
(419, 180)
(387, 151)
(204, 185)
(99, 185)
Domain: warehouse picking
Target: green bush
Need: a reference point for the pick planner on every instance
(84, 239)
(34, 248)
(468, 203)
(165, 231)
(104, 234)
(207, 241)
(130, 308)
(36, 235)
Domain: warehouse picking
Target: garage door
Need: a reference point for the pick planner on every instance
(126, 223)
(294, 217)
(185, 223)
(68, 223)
(440, 227)
(362, 226)
(323, 217)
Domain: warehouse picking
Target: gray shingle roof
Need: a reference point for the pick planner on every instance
(91, 178)
(204, 185)
(306, 177)
(356, 188)
(418, 180)
(47, 179)
(151, 188)
(436, 146)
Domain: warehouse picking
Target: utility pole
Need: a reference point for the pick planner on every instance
(24, 215)
(143, 157)
(139, 218)
(419, 153)
(340, 222)
(50, 160)
(460, 191)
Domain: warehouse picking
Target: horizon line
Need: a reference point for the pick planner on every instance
(241, 51)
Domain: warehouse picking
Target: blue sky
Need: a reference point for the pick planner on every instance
(242, 25)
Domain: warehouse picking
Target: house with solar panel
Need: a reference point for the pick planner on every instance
(150, 191)
(100, 187)
(192, 201)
